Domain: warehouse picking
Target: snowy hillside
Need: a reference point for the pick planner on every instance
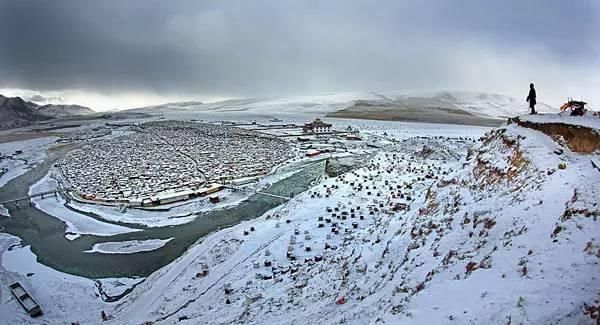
(488, 104)
(64, 110)
(476, 103)
(508, 234)
(321, 104)
(464, 108)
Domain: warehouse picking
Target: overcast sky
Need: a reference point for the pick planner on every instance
(117, 54)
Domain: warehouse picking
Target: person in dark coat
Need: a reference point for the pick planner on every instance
(531, 98)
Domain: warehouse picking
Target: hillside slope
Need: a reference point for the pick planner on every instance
(488, 104)
(459, 107)
(502, 235)
(467, 108)
(64, 110)
(319, 104)
(512, 235)
(15, 112)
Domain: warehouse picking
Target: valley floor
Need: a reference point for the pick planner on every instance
(436, 229)
(413, 114)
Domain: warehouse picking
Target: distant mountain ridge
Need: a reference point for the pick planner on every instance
(470, 107)
(174, 106)
(16, 112)
(64, 110)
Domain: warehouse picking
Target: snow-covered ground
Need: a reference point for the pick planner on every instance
(511, 234)
(405, 130)
(128, 247)
(171, 214)
(77, 223)
(138, 216)
(486, 104)
(33, 152)
(63, 298)
(448, 231)
(176, 214)
(589, 120)
(232, 254)
(165, 215)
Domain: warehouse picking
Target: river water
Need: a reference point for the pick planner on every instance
(45, 233)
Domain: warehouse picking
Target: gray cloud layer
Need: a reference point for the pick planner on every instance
(264, 48)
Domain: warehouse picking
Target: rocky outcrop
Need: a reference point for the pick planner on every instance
(15, 112)
(578, 138)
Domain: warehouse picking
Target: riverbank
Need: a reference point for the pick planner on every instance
(68, 254)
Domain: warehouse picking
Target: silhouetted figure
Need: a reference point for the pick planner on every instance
(531, 98)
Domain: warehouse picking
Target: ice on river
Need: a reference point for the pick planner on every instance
(128, 247)
(53, 290)
(4, 211)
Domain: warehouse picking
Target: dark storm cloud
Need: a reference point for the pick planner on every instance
(250, 48)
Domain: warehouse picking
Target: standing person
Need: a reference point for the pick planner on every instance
(531, 98)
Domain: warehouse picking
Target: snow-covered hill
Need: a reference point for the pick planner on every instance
(509, 233)
(15, 112)
(56, 110)
(485, 105)
(489, 104)
(320, 104)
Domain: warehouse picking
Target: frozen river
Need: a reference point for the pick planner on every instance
(45, 233)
